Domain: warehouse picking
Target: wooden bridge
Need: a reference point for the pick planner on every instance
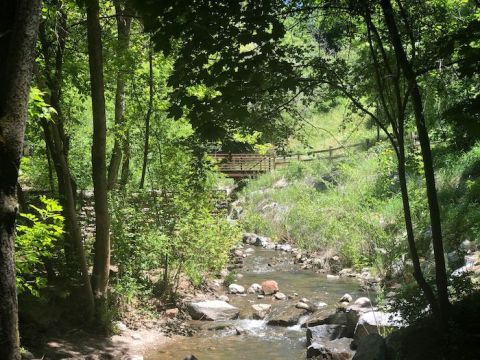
(240, 166)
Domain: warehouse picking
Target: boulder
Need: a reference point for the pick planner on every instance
(254, 289)
(256, 240)
(283, 247)
(372, 322)
(346, 298)
(371, 347)
(363, 302)
(260, 311)
(322, 333)
(286, 315)
(319, 317)
(338, 349)
(223, 298)
(303, 305)
(212, 310)
(269, 287)
(236, 289)
(280, 296)
(171, 313)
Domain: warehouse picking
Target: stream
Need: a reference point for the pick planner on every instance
(219, 340)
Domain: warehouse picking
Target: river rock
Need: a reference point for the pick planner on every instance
(371, 322)
(238, 253)
(303, 305)
(319, 317)
(260, 311)
(371, 347)
(363, 302)
(171, 313)
(280, 296)
(285, 315)
(346, 298)
(283, 247)
(236, 289)
(254, 289)
(212, 310)
(256, 240)
(224, 298)
(322, 333)
(269, 287)
(338, 349)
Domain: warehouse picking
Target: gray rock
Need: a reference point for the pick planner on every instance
(338, 349)
(285, 315)
(346, 298)
(236, 289)
(212, 310)
(372, 322)
(254, 289)
(363, 302)
(322, 333)
(223, 298)
(371, 347)
(260, 311)
(280, 296)
(303, 305)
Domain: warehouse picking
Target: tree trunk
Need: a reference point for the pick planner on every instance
(54, 139)
(101, 265)
(435, 221)
(123, 29)
(19, 22)
(147, 118)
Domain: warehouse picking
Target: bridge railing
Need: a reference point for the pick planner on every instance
(246, 163)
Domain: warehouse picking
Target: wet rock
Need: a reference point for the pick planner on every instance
(269, 287)
(467, 246)
(285, 316)
(371, 322)
(322, 333)
(371, 347)
(260, 311)
(283, 247)
(238, 253)
(303, 305)
(236, 289)
(338, 349)
(256, 240)
(346, 298)
(254, 289)
(171, 313)
(319, 317)
(260, 296)
(223, 298)
(363, 302)
(249, 251)
(212, 310)
(280, 296)
(348, 272)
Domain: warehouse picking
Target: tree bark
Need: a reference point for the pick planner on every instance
(123, 37)
(19, 21)
(147, 118)
(434, 209)
(101, 265)
(54, 139)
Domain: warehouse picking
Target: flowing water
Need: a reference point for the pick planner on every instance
(219, 340)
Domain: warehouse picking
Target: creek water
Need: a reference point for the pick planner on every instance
(219, 340)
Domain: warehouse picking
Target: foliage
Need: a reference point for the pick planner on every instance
(36, 243)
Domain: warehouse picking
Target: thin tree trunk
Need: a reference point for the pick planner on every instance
(123, 29)
(147, 118)
(125, 159)
(434, 209)
(101, 265)
(55, 141)
(19, 22)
